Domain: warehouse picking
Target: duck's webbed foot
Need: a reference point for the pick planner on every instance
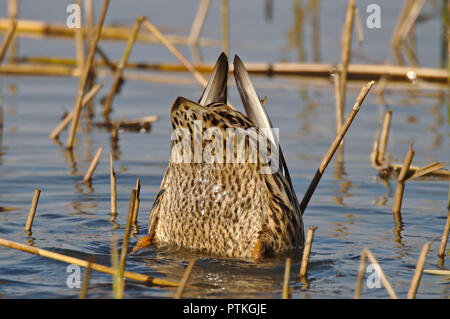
(258, 251)
(142, 243)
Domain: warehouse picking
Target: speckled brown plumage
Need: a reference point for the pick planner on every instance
(223, 209)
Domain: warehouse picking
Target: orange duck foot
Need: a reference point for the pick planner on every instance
(142, 243)
(258, 251)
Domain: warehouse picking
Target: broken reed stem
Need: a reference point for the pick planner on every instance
(409, 21)
(106, 60)
(383, 278)
(396, 207)
(327, 158)
(199, 21)
(307, 251)
(418, 272)
(136, 202)
(381, 158)
(166, 42)
(225, 36)
(84, 286)
(121, 66)
(32, 211)
(345, 53)
(85, 76)
(184, 279)
(65, 122)
(84, 263)
(444, 239)
(113, 188)
(7, 39)
(126, 237)
(361, 271)
(90, 171)
(287, 271)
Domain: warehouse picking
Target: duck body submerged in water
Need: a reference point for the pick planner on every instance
(217, 206)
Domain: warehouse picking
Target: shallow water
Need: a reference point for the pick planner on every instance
(351, 207)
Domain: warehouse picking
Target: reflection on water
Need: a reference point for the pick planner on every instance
(351, 207)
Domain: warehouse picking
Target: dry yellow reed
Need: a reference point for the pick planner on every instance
(137, 202)
(327, 158)
(94, 162)
(345, 53)
(418, 272)
(121, 66)
(184, 279)
(383, 278)
(199, 21)
(381, 158)
(225, 33)
(66, 121)
(444, 239)
(113, 188)
(7, 39)
(32, 211)
(359, 27)
(398, 197)
(84, 263)
(287, 272)
(84, 286)
(361, 270)
(307, 251)
(85, 76)
(164, 40)
(79, 43)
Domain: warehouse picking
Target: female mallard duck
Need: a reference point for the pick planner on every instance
(219, 207)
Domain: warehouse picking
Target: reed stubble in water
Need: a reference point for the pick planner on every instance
(287, 272)
(90, 171)
(307, 251)
(398, 197)
(418, 272)
(32, 211)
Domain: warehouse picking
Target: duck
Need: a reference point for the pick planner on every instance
(215, 206)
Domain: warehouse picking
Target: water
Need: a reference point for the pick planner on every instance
(351, 207)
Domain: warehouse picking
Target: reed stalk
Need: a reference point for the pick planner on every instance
(121, 66)
(31, 28)
(84, 263)
(361, 271)
(381, 158)
(118, 282)
(359, 27)
(327, 158)
(85, 285)
(184, 279)
(199, 21)
(418, 272)
(66, 121)
(345, 53)
(32, 210)
(13, 12)
(90, 171)
(444, 239)
(7, 39)
(337, 97)
(383, 278)
(126, 237)
(113, 187)
(287, 271)
(225, 32)
(307, 251)
(79, 45)
(136, 203)
(166, 42)
(398, 198)
(85, 75)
